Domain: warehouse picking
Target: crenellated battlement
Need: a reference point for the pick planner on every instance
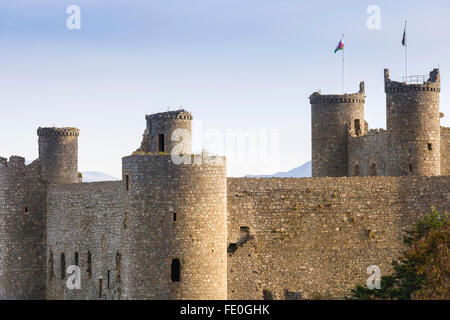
(358, 97)
(52, 131)
(177, 114)
(432, 84)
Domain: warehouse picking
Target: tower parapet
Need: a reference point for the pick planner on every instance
(58, 152)
(168, 132)
(413, 125)
(333, 117)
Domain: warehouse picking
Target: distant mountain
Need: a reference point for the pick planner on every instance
(303, 171)
(96, 176)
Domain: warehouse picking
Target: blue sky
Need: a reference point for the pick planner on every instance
(233, 64)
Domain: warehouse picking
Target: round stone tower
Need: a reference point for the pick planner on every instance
(58, 153)
(413, 124)
(168, 132)
(22, 230)
(333, 118)
(174, 237)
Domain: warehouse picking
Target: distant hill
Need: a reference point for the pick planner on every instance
(96, 176)
(303, 171)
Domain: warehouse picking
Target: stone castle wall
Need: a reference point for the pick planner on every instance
(22, 230)
(174, 213)
(235, 238)
(445, 150)
(367, 154)
(85, 219)
(315, 237)
(332, 117)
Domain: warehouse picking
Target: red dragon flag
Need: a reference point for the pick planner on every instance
(340, 45)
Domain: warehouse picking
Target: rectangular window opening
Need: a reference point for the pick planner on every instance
(161, 146)
(174, 216)
(100, 288)
(127, 183)
(63, 266)
(430, 146)
(118, 265)
(89, 265)
(175, 270)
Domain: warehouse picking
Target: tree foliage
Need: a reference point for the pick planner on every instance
(423, 271)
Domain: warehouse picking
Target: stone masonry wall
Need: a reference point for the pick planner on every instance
(367, 154)
(315, 237)
(85, 218)
(58, 153)
(22, 230)
(332, 117)
(413, 123)
(174, 212)
(445, 150)
(166, 123)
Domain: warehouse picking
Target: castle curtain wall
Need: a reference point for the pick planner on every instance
(313, 238)
(445, 151)
(368, 153)
(87, 219)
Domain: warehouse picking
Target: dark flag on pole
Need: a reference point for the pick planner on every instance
(406, 51)
(404, 37)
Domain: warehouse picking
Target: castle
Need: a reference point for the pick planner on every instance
(186, 231)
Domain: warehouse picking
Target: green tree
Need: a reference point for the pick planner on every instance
(423, 271)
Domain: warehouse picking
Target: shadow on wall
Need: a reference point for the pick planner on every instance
(245, 236)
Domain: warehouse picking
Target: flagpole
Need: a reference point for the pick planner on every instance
(406, 54)
(343, 61)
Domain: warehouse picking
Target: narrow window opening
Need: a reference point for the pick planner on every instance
(127, 183)
(174, 216)
(89, 265)
(63, 266)
(430, 146)
(100, 288)
(76, 258)
(118, 265)
(373, 170)
(25, 209)
(108, 279)
(357, 127)
(50, 266)
(175, 268)
(410, 168)
(161, 146)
